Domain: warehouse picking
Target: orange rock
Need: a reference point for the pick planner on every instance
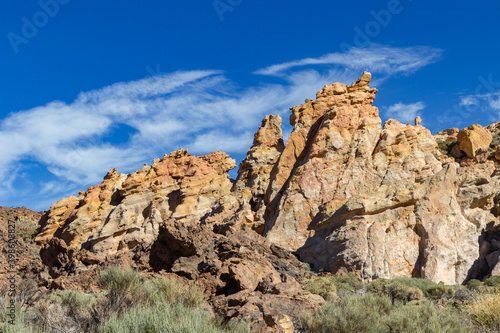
(474, 141)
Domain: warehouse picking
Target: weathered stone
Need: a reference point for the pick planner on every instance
(456, 152)
(127, 210)
(17, 225)
(474, 140)
(255, 171)
(418, 120)
(346, 193)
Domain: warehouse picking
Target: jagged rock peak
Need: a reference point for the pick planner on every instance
(269, 134)
(346, 193)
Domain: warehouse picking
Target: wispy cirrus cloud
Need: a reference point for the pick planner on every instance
(487, 101)
(59, 148)
(404, 113)
(376, 58)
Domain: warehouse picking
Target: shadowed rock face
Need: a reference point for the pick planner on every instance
(344, 192)
(17, 227)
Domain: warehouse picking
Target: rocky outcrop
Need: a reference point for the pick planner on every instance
(173, 217)
(475, 141)
(255, 170)
(345, 193)
(313, 169)
(126, 210)
(19, 254)
(244, 275)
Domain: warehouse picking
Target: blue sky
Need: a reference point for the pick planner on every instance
(87, 86)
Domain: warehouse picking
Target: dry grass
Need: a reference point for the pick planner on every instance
(485, 311)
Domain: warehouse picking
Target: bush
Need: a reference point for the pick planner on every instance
(159, 290)
(128, 305)
(347, 283)
(493, 281)
(123, 288)
(20, 325)
(485, 311)
(446, 146)
(424, 316)
(351, 313)
(465, 295)
(396, 291)
(474, 284)
(422, 284)
(375, 313)
(168, 318)
(119, 280)
(323, 286)
(53, 317)
(441, 291)
(75, 303)
(26, 291)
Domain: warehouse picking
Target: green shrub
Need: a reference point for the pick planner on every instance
(119, 280)
(20, 323)
(74, 302)
(422, 284)
(347, 283)
(445, 146)
(158, 290)
(397, 291)
(168, 318)
(376, 314)
(351, 313)
(26, 291)
(54, 317)
(493, 281)
(441, 291)
(424, 316)
(323, 286)
(465, 295)
(123, 288)
(474, 284)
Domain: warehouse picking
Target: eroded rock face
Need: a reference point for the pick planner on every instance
(127, 210)
(255, 170)
(350, 196)
(340, 125)
(344, 192)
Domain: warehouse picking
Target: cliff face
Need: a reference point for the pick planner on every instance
(344, 192)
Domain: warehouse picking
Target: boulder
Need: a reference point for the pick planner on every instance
(474, 141)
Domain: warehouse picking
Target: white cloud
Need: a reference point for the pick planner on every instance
(488, 103)
(376, 58)
(75, 143)
(405, 113)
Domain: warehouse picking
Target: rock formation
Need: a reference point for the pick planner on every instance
(17, 228)
(126, 210)
(345, 193)
(474, 141)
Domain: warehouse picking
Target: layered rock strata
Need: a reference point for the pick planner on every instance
(345, 193)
